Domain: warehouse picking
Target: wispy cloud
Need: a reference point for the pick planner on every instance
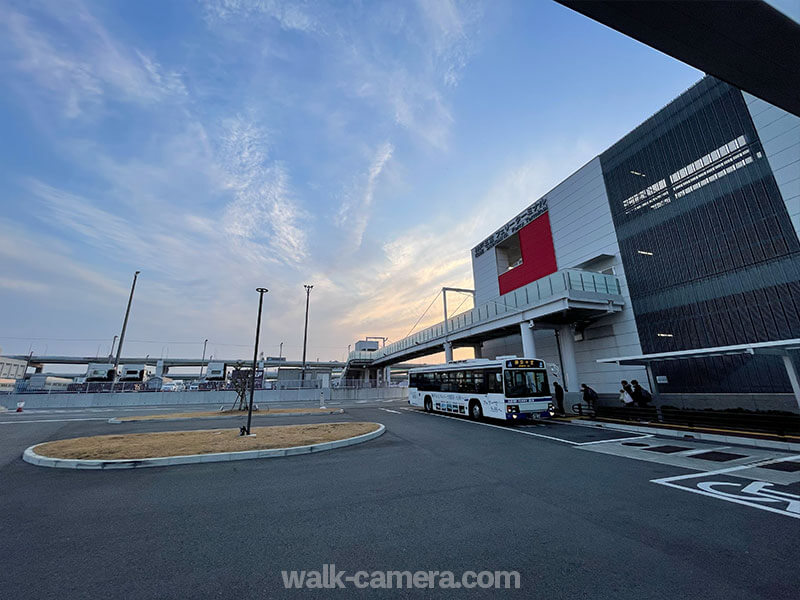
(412, 90)
(354, 213)
(92, 66)
(209, 205)
(296, 15)
(262, 210)
(22, 285)
(451, 25)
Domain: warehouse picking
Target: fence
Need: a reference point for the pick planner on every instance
(214, 398)
(772, 422)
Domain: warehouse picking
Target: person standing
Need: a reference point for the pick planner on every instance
(559, 395)
(626, 394)
(589, 396)
(640, 395)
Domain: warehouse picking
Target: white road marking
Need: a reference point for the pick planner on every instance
(702, 450)
(628, 439)
(761, 463)
(706, 488)
(539, 435)
(729, 499)
(397, 412)
(53, 420)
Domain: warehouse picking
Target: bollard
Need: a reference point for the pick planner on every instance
(322, 398)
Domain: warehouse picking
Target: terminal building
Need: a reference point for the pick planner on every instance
(671, 258)
(696, 214)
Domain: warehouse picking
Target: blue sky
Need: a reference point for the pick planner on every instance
(217, 146)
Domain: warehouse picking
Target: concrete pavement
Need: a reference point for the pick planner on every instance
(430, 494)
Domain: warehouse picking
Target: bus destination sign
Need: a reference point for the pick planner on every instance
(524, 364)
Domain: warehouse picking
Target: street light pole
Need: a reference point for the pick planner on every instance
(261, 292)
(203, 360)
(124, 326)
(280, 351)
(305, 333)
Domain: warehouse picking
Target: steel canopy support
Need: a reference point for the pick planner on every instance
(791, 371)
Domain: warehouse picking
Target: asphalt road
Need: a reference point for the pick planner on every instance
(431, 494)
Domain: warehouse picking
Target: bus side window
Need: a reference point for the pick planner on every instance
(469, 382)
(494, 383)
(429, 381)
(459, 382)
(448, 381)
(480, 384)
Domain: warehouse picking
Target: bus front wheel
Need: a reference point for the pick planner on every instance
(428, 404)
(475, 410)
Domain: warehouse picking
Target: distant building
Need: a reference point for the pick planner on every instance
(12, 368)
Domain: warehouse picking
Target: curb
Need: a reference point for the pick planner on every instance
(116, 421)
(31, 457)
(694, 435)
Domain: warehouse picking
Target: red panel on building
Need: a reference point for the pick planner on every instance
(538, 255)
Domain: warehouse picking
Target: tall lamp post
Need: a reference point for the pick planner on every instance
(124, 327)
(305, 333)
(203, 360)
(261, 292)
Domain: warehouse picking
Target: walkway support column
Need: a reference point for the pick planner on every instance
(478, 350)
(569, 364)
(791, 371)
(651, 376)
(387, 375)
(448, 351)
(528, 342)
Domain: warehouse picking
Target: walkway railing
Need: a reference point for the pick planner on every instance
(534, 293)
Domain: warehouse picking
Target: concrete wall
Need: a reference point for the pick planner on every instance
(779, 133)
(580, 217)
(214, 398)
(484, 276)
(583, 231)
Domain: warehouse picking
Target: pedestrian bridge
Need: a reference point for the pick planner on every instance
(563, 299)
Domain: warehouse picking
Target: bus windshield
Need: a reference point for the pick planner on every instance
(521, 383)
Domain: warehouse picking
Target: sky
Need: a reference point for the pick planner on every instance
(222, 145)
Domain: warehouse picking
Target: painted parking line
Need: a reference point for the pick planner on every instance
(625, 439)
(501, 427)
(703, 450)
(756, 494)
(389, 410)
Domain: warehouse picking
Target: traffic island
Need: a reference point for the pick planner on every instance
(184, 416)
(139, 450)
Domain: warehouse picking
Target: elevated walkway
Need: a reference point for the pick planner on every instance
(561, 299)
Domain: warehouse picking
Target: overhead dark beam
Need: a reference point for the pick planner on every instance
(746, 43)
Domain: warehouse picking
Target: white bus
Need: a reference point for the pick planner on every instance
(506, 388)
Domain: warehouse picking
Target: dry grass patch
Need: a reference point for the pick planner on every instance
(180, 443)
(223, 413)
